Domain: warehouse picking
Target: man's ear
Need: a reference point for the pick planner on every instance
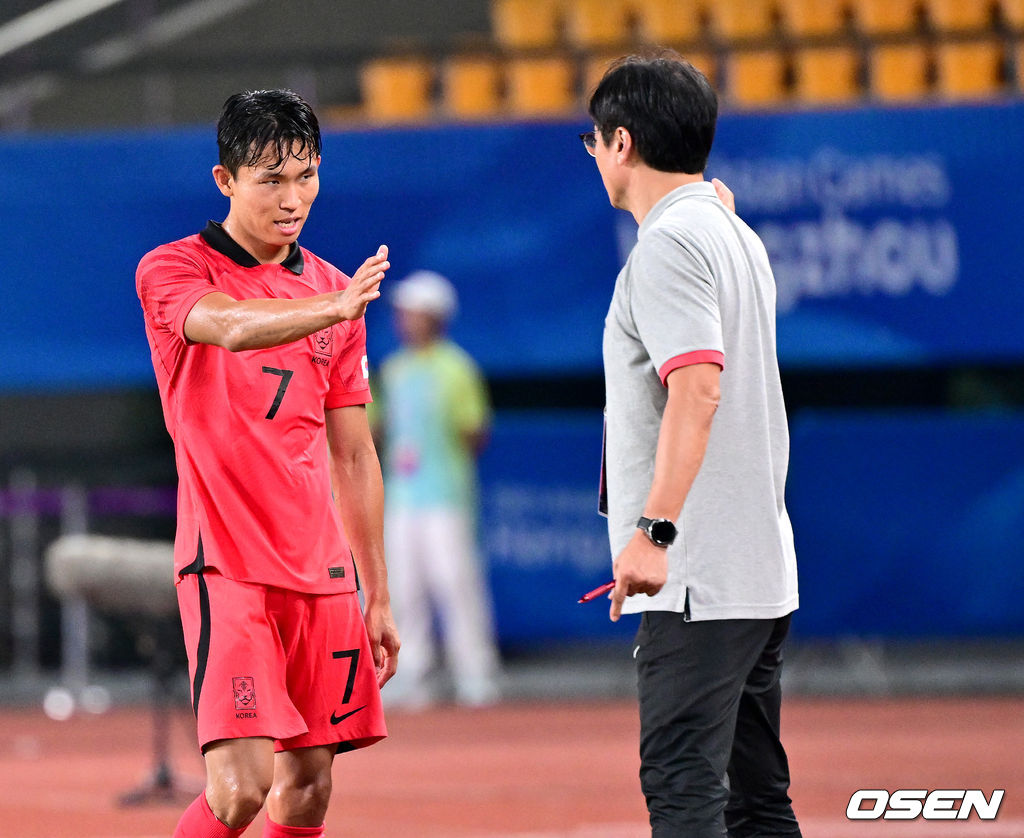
(623, 143)
(224, 180)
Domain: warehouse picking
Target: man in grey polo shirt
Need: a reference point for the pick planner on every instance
(697, 451)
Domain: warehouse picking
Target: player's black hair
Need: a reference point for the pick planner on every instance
(665, 103)
(254, 122)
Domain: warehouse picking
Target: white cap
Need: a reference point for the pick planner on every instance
(427, 292)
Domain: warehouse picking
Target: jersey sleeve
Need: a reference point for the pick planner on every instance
(350, 374)
(469, 402)
(169, 283)
(674, 303)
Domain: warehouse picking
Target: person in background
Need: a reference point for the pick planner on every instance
(433, 414)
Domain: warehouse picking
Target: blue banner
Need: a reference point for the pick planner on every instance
(893, 233)
(539, 529)
(908, 524)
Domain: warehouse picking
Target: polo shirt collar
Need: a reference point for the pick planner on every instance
(217, 237)
(701, 188)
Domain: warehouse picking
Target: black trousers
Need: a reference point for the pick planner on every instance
(711, 762)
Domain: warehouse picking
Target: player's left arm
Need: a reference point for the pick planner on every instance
(359, 495)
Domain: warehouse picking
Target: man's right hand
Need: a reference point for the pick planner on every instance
(641, 568)
(365, 285)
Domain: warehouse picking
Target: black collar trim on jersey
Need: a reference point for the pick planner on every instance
(217, 237)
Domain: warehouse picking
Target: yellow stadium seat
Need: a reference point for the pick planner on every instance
(969, 69)
(668, 22)
(736, 19)
(814, 17)
(882, 17)
(706, 63)
(755, 78)
(594, 68)
(525, 24)
(898, 72)
(826, 75)
(597, 23)
(1013, 12)
(397, 89)
(959, 15)
(540, 86)
(471, 86)
(341, 115)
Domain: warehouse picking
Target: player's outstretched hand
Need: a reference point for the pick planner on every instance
(724, 193)
(365, 285)
(384, 642)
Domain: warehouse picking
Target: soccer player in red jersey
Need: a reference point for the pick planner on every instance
(259, 349)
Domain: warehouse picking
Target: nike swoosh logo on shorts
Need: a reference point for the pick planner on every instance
(337, 720)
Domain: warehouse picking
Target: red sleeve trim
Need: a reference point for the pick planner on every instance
(348, 399)
(701, 356)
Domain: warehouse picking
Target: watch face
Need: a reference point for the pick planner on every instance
(663, 532)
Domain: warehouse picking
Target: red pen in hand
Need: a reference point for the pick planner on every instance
(594, 594)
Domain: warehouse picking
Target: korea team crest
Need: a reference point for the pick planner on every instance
(323, 342)
(244, 687)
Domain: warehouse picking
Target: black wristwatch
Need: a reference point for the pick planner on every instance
(661, 531)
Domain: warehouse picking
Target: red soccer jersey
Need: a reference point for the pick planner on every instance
(254, 489)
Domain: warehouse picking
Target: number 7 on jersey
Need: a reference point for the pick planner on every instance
(286, 376)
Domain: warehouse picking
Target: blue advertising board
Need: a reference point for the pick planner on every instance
(893, 233)
(544, 542)
(908, 524)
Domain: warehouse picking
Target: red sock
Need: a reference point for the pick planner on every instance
(200, 822)
(275, 830)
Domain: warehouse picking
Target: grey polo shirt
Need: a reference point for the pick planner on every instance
(698, 287)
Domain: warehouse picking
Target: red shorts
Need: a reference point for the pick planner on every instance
(270, 662)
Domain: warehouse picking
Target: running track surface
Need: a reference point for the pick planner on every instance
(527, 770)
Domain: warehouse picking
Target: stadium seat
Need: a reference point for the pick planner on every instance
(525, 24)
(540, 86)
(706, 62)
(397, 89)
(668, 22)
(594, 68)
(471, 86)
(737, 19)
(898, 72)
(969, 69)
(593, 24)
(827, 75)
(960, 15)
(812, 18)
(1013, 13)
(755, 78)
(884, 17)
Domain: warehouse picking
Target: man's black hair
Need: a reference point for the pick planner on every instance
(254, 124)
(665, 103)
